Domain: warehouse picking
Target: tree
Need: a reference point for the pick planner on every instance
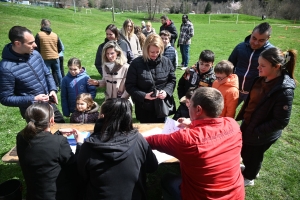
(235, 6)
(207, 8)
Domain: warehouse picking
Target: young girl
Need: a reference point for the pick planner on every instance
(114, 71)
(267, 110)
(183, 109)
(74, 84)
(87, 111)
(46, 159)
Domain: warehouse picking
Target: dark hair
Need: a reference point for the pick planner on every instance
(165, 33)
(263, 28)
(210, 99)
(207, 56)
(46, 23)
(190, 92)
(165, 17)
(37, 117)
(286, 60)
(113, 29)
(225, 67)
(74, 61)
(117, 117)
(140, 35)
(16, 33)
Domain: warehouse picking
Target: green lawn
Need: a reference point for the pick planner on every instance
(81, 34)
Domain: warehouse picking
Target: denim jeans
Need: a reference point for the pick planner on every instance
(171, 186)
(53, 65)
(185, 54)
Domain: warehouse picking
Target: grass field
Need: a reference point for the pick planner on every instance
(81, 34)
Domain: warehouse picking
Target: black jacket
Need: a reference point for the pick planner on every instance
(49, 167)
(116, 169)
(169, 26)
(139, 82)
(124, 46)
(182, 111)
(271, 115)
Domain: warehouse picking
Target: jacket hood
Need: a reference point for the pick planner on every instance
(116, 149)
(95, 108)
(232, 81)
(288, 82)
(48, 30)
(10, 55)
(266, 45)
(82, 73)
(168, 23)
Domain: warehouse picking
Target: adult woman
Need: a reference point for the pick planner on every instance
(127, 34)
(46, 160)
(139, 83)
(114, 71)
(267, 109)
(114, 161)
(148, 29)
(112, 34)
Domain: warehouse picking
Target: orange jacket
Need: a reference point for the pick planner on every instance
(230, 92)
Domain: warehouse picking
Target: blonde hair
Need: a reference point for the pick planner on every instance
(124, 29)
(121, 59)
(87, 98)
(153, 40)
(149, 24)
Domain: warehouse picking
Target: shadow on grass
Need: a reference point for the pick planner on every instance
(153, 180)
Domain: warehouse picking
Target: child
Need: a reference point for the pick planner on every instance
(87, 111)
(169, 52)
(228, 84)
(183, 109)
(74, 84)
(199, 75)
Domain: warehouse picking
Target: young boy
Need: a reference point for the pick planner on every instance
(169, 52)
(183, 108)
(228, 84)
(199, 75)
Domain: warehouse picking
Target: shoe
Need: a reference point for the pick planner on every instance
(243, 168)
(248, 182)
(183, 68)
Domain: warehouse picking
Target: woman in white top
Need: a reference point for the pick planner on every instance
(127, 34)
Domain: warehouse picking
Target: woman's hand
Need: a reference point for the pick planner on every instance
(149, 97)
(184, 122)
(93, 82)
(162, 94)
(69, 131)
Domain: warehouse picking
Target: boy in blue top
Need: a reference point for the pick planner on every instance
(199, 75)
(169, 52)
(73, 84)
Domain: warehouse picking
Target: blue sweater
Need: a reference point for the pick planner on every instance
(71, 87)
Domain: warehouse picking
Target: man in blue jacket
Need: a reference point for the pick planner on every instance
(24, 78)
(245, 55)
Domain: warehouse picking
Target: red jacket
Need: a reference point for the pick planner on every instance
(209, 155)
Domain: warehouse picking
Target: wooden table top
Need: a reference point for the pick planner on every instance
(12, 157)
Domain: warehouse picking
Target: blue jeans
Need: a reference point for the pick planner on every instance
(55, 68)
(185, 54)
(171, 186)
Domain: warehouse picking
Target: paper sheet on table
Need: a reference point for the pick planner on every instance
(161, 157)
(171, 126)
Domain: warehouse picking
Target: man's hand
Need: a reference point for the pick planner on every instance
(184, 122)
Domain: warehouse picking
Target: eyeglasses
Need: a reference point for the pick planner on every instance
(220, 78)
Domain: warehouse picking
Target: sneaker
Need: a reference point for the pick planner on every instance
(243, 168)
(248, 182)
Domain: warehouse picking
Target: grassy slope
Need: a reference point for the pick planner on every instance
(82, 33)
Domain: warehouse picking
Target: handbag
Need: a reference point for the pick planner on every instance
(163, 107)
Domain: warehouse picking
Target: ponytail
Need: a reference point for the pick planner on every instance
(290, 62)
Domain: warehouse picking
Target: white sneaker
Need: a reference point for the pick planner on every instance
(243, 168)
(248, 182)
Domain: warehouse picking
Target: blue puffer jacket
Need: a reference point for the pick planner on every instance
(71, 87)
(22, 77)
(245, 61)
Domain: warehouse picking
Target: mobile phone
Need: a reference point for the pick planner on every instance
(51, 99)
(154, 93)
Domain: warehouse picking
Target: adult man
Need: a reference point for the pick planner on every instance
(168, 25)
(49, 46)
(245, 55)
(184, 41)
(24, 78)
(208, 151)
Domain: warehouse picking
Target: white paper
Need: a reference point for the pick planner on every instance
(171, 126)
(161, 157)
